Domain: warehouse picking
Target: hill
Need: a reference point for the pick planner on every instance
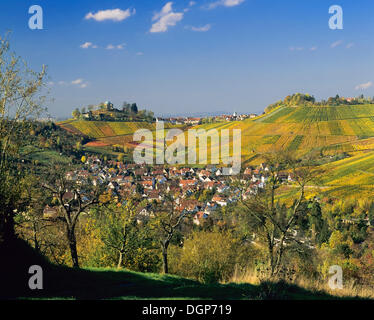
(108, 133)
(330, 129)
(344, 133)
(77, 284)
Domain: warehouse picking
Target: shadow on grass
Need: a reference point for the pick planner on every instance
(93, 284)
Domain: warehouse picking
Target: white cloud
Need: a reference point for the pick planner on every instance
(139, 53)
(76, 82)
(205, 28)
(191, 3)
(364, 86)
(165, 18)
(350, 45)
(313, 48)
(336, 44)
(87, 45)
(113, 47)
(225, 3)
(80, 83)
(114, 15)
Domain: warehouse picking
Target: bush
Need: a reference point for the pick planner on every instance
(209, 256)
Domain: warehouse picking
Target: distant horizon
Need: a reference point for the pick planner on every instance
(203, 114)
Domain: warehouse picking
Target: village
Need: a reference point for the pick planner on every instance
(200, 120)
(200, 191)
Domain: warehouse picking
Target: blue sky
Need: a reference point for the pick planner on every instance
(200, 56)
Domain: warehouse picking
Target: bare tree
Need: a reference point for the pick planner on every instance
(73, 198)
(167, 221)
(271, 221)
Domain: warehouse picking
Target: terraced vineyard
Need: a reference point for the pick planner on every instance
(107, 133)
(302, 129)
(329, 130)
(299, 129)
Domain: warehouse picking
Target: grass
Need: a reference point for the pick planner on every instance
(63, 283)
(93, 284)
(350, 289)
(45, 156)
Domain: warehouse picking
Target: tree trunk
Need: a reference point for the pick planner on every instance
(165, 257)
(120, 259)
(73, 246)
(271, 255)
(36, 242)
(271, 262)
(122, 249)
(165, 261)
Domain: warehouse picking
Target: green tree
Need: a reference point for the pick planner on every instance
(76, 114)
(116, 228)
(120, 157)
(21, 101)
(134, 108)
(209, 256)
(320, 230)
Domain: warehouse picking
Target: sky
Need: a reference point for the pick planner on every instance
(182, 56)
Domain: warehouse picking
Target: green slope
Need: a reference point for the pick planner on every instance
(64, 283)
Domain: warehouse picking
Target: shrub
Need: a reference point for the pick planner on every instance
(209, 256)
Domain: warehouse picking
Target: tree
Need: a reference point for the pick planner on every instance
(209, 256)
(150, 116)
(78, 146)
(76, 114)
(116, 227)
(320, 231)
(120, 157)
(73, 199)
(21, 101)
(134, 108)
(31, 223)
(166, 222)
(273, 223)
(126, 107)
